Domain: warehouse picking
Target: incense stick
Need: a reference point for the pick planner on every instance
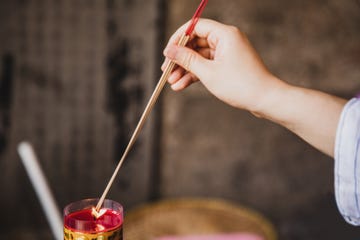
(170, 66)
(160, 85)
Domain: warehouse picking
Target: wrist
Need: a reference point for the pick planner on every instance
(271, 97)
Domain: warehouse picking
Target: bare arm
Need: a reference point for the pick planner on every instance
(223, 59)
(312, 115)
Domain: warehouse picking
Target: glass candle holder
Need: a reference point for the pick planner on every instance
(80, 224)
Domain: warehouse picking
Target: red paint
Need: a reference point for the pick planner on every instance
(196, 17)
(83, 221)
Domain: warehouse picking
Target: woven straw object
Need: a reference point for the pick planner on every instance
(183, 217)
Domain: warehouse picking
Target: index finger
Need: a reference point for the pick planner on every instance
(205, 28)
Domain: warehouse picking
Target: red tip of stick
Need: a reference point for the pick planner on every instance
(196, 17)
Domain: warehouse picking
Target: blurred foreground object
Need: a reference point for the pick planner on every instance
(186, 217)
(41, 187)
(227, 236)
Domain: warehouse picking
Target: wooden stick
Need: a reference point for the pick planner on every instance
(160, 85)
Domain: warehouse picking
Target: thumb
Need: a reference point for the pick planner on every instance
(187, 58)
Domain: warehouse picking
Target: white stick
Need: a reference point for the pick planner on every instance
(42, 189)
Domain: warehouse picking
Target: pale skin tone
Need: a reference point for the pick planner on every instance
(223, 59)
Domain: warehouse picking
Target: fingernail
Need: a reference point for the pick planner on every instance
(171, 79)
(176, 86)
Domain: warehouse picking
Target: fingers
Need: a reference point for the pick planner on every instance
(178, 71)
(185, 81)
(187, 58)
(206, 30)
(201, 42)
(193, 62)
(174, 39)
(207, 53)
(176, 75)
(201, 47)
(179, 78)
(210, 31)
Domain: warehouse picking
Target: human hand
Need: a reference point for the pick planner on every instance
(222, 58)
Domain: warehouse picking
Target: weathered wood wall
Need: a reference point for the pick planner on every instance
(75, 77)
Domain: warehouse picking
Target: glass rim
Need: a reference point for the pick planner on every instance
(88, 204)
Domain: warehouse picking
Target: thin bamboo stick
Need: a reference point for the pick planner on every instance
(160, 85)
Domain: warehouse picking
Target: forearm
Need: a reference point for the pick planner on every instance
(310, 114)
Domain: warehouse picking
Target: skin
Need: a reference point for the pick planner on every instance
(223, 59)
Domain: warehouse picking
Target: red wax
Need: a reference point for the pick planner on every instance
(84, 221)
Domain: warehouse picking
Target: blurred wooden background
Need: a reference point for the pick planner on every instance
(74, 79)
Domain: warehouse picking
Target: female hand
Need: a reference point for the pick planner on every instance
(222, 58)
